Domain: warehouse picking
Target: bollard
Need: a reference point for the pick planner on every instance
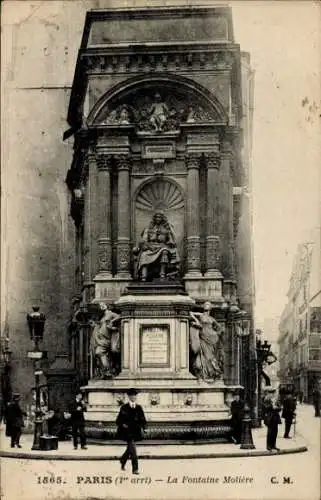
(246, 437)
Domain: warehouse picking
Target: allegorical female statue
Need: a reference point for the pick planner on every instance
(157, 250)
(104, 341)
(206, 345)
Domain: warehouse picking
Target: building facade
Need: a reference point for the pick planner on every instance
(69, 244)
(300, 324)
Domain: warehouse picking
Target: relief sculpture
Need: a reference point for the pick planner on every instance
(206, 345)
(158, 113)
(104, 343)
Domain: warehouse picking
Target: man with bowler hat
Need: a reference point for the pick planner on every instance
(237, 414)
(14, 420)
(77, 418)
(272, 420)
(288, 413)
(131, 424)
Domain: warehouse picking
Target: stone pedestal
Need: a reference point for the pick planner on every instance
(155, 361)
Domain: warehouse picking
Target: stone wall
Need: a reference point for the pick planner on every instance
(40, 46)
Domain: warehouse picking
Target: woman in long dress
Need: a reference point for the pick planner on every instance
(101, 340)
(206, 344)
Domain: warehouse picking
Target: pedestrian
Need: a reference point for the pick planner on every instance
(77, 418)
(131, 423)
(300, 396)
(14, 420)
(288, 413)
(237, 413)
(6, 391)
(271, 416)
(316, 401)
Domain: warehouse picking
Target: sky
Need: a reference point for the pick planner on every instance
(283, 39)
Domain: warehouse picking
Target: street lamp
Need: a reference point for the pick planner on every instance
(264, 356)
(243, 332)
(241, 321)
(36, 323)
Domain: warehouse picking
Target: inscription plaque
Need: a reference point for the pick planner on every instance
(158, 151)
(154, 345)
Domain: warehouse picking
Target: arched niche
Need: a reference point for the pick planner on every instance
(160, 194)
(187, 101)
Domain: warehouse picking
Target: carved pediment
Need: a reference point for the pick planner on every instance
(152, 110)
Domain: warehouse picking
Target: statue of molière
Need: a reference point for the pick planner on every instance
(157, 254)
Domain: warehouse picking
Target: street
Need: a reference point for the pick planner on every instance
(269, 477)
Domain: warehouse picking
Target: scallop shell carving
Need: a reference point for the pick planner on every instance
(159, 195)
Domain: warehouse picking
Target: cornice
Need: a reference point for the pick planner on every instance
(160, 47)
(155, 12)
(189, 58)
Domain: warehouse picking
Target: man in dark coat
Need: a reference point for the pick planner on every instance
(237, 413)
(77, 419)
(271, 415)
(316, 401)
(14, 421)
(131, 423)
(6, 391)
(288, 413)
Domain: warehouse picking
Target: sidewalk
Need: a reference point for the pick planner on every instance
(147, 451)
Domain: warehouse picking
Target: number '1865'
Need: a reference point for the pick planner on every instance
(49, 480)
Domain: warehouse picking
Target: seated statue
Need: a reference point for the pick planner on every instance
(102, 342)
(157, 250)
(158, 113)
(206, 345)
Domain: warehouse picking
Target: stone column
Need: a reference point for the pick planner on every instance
(90, 169)
(213, 243)
(104, 163)
(123, 239)
(193, 222)
(227, 220)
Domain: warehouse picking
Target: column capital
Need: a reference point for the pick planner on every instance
(91, 154)
(213, 160)
(193, 160)
(104, 162)
(123, 162)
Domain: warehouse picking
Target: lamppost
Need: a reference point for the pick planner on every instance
(242, 324)
(36, 323)
(264, 356)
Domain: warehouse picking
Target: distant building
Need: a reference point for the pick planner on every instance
(300, 324)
